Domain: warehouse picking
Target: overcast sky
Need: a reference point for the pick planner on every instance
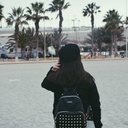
(74, 11)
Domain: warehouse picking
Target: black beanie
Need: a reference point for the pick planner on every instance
(69, 53)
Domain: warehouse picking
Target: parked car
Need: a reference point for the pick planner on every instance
(41, 54)
(123, 54)
(48, 54)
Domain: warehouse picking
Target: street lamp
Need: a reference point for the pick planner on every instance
(75, 28)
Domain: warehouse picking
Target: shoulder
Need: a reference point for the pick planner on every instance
(51, 86)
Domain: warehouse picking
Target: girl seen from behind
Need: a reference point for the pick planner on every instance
(66, 73)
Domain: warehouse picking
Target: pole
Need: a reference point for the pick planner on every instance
(0, 54)
(126, 30)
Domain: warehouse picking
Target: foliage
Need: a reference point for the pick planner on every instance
(1, 12)
(59, 5)
(114, 25)
(26, 37)
(16, 17)
(34, 14)
(90, 10)
(47, 40)
(99, 36)
(126, 22)
(112, 19)
(55, 40)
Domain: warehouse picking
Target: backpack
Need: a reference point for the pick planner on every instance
(89, 115)
(69, 112)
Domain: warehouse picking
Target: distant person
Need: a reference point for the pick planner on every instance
(116, 55)
(3, 56)
(95, 54)
(91, 54)
(26, 57)
(66, 73)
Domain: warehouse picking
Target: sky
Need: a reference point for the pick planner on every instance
(72, 12)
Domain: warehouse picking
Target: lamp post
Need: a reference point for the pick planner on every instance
(74, 28)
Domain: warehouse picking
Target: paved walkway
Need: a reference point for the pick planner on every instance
(24, 104)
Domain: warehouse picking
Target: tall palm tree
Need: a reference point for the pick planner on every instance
(34, 14)
(113, 21)
(16, 17)
(1, 12)
(59, 5)
(90, 10)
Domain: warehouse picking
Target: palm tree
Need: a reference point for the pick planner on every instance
(59, 5)
(90, 10)
(126, 22)
(1, 13)
(98, 38)
(34, 14)
(47, 40)
(113, 21)
(56, 38)
(16, 17)
(25, 38)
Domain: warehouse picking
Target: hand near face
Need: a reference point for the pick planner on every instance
(56, 67)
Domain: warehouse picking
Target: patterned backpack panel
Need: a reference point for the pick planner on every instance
(69, 112)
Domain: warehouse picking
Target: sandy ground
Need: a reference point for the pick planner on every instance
(24, 104)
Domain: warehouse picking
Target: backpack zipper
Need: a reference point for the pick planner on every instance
(70, 96)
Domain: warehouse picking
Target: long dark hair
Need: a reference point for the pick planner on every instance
(69, 73)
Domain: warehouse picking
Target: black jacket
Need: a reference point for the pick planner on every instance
(87, 93)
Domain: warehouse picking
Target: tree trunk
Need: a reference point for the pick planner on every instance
(16, 39)
(57, 50)
(92, 22)
(111, 44)
(22, 53)
(37, 34)
(60, 27)
(115, 41)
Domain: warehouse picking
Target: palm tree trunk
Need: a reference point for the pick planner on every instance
(22, 53)
(111, 44)
(92, 22)
(60, 27)
(92, 40)
(16, 39)
(37, 45)
(37, 34)
(115, 41)
(57, 50)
